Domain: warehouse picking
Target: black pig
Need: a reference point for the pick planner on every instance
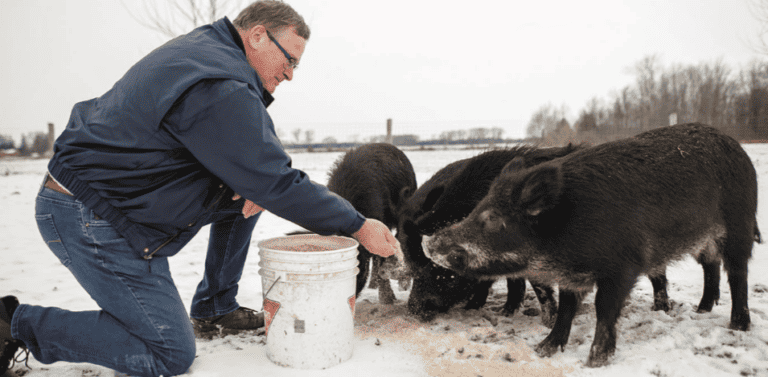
(374, 178)
(606, 214)
(449, 196)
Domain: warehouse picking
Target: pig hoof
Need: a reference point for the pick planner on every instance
(739, 326)
(597, 360)
(705, 307)
(598, 356)
(661, 306)
(507, 312)
(546, 349)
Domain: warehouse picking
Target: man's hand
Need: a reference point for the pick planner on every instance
(376, 237)
(249, 208)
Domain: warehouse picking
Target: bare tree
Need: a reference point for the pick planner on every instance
(759, 9)
(297, 134)
(175, 17)
(477, 133)
(35, 142)
(647, 87)
(545, 120)
(309, 136)
(6, 142)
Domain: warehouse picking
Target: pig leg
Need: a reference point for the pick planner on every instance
(386, 295)
(479, 295)
(558, 337)
(609, 299)
(515, 296)
(735, 259)
(660, 297)
(363, 257)
(546, 296)
(711, 286)
(404, 283)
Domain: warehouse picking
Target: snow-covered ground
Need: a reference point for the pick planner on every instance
(390, 343)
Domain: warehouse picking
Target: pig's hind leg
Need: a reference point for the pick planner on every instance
(609, 299)
(660, 297)
(711, 285)
(736, 254)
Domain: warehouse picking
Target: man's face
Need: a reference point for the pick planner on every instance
(268, 60)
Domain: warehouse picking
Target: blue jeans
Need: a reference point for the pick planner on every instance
(228, 245)
(142, 328)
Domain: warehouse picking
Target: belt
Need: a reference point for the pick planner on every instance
(51, 184)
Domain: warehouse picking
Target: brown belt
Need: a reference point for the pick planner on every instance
(51, 184)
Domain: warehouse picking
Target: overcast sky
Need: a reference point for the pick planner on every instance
(431, 66)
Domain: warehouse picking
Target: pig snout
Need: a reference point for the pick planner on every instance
(451, 256)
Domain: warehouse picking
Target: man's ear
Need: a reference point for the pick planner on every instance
(541, 189)
(256, 34)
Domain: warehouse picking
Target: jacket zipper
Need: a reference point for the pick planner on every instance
(149, 256)
(217, 198)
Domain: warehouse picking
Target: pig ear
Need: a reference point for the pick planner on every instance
(432, 197)
(405, 193)
(402, 196)
(541, 190)
(517, 164)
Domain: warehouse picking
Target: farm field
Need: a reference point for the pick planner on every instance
(388, 342)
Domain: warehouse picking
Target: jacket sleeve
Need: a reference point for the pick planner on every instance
(225, 125)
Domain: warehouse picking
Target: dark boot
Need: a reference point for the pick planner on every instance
(242, 319)
(8, 345)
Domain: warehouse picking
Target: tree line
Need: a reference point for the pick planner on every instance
(479, 133)
(34, 142)
(712, 93)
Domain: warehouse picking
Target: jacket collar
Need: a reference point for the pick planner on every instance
(268, 98)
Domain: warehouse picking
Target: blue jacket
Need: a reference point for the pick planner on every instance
(162, 153)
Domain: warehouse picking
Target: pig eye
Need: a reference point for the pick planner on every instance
(492, 221)
(457, 259)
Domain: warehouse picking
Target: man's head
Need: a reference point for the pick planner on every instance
(274, 36)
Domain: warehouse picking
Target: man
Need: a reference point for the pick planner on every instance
(181, 141)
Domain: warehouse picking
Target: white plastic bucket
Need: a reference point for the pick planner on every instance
(309, 299)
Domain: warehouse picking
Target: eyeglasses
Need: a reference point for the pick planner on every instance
(294, 63)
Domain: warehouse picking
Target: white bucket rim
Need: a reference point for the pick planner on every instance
(344, 244)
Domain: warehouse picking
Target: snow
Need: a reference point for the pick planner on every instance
(388, 342)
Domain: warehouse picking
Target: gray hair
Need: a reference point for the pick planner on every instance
(275, 15)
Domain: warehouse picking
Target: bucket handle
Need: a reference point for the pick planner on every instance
(271, 286)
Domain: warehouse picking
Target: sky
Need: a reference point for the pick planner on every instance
(430, 66)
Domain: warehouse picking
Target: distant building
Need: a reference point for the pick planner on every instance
(9, 152)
